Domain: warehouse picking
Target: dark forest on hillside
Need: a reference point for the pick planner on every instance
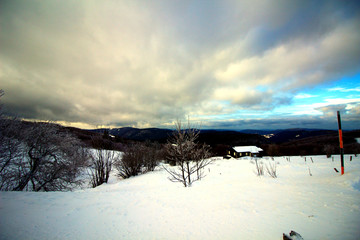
(283, 143)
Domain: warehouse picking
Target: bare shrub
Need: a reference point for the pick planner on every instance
(132, 161)
(102, 161)
(138, 158)
(271, 169)
(189, 157)
(259, 167)
(153, 153)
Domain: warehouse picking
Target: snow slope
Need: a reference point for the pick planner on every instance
(231, 202)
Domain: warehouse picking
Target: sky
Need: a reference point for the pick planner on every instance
(221, 64)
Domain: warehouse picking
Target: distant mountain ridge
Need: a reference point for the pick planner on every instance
(285, 142)
(139, 134)
(219, 136)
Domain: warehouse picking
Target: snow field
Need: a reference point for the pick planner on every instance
(231, 202)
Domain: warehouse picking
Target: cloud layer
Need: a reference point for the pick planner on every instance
(136, 63)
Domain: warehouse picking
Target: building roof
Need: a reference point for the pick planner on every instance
(252, 149)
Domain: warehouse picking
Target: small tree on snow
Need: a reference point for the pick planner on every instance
(189, 157)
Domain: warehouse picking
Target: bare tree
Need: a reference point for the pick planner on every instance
(45, 158)
(55, 159)
(189, 157)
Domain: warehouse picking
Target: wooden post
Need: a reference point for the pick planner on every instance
(341, 143)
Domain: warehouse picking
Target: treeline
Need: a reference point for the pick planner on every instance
(316, 145)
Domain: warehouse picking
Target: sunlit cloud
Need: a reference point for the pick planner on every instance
(340, 89)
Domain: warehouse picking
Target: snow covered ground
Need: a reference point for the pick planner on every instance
(231, 202)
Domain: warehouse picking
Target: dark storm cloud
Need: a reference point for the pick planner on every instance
(149, 63)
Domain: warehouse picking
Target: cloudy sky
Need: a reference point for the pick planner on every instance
(223, 64)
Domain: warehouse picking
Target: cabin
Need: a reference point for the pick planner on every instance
(244, 151)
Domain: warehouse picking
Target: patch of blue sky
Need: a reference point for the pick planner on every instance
(306, 102)
(346, 87)
(339, 88)
(351, 82)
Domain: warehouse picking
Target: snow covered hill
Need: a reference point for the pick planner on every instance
(231, 202)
